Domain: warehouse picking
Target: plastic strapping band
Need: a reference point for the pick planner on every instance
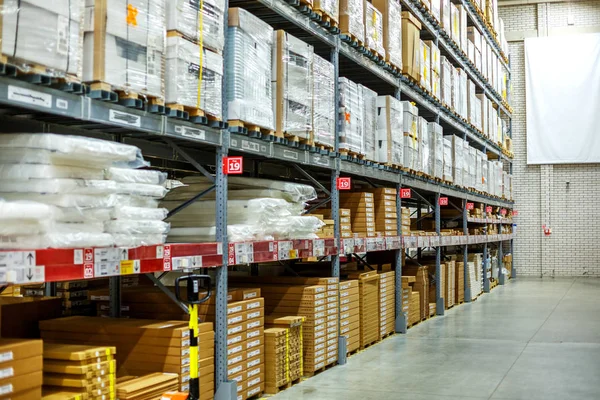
(201, 47)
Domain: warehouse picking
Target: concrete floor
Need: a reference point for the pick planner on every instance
(530, 339)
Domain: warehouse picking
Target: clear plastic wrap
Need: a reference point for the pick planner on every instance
(484, 114)
(129, 175)
(249, 42)
(448, 161)
(124, 44)
(44, 33)
(82, 214)
(369, 99)
(24, 217)
(139, 213)
(56, 240)
(462, 82)
(136, 227)
(141, 189)
(446, 17)
(411, 45)
(329, 7)
(390, 138)
(436, 86)
(455, 90)
(83, 200)
(455, 21)
(324, 116)
(465, 163)
(411, 152)
(410, 114)
(351, 114)
(458, 160)
(472, 166)
(392, 30)
(374, 29)
(462, 20)
(352, 18)
(189, 85)
(44, 172)
(47, 186)
(292, 85)
(425, 64)
(436, 57)
(200, 21)
(235, 233)
(65, 149)
(477, 113)
(436, 140)
(424, 163)
(446, 84)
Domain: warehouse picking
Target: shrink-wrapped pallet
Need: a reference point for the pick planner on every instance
(472, 168)
(249, 44)
(374, 29)
(446, 17)
(329, 7)
(390, 138)
(458, 160)
(462, 102)
(352, 20)
(425, 65)
(473, 113)
(292, 85)
(446, 82)
(324, 115)
(199, 21)
(392, 30)
(447, 173)
(455, 22)
(351, 114)
(411, 152)
(424, 157)
(411, 45)
(455, 90)
(410, 117)
(436, 140)
(369, 100)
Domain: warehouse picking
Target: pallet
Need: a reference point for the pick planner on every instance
(387, 335)
(417, 322)
(367, 345)
(38, 74)
(104, 91)
(325, 148)
(256, 396)
(318, 371)
(255, 131)
(327, 21)
(296, 141)
(194, 114)
(353, 156)
(353, 41)
(353, 352)
(276, 389)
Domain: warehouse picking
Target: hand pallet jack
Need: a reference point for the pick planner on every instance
(196, 284)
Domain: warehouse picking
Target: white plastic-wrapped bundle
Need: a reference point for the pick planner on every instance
(465, 163)
(324, 115)
(124, 45)
(369, 99)
(392, 30)
(55, 186)
(472, 168)
(409, 118)
(351, 116)
(485, 176)
(128, 175)
(424, 156)
(55, 44)
(189, 85)
(446, 16)
(24, 217)
(292, 85)
(455, 90)
(448, 162)
(458, 160)
(472, 112)
(249, 43)
(390, 138)
(462, 82)
(57, 240)
(425, 64)
(411, 152)
(374, 29)
(352, 18)
(329, 7)
(446, 82)
(199, 21)
(436, 140)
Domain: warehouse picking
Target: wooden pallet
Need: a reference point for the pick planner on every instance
(327, 20)
(352, 40)
(277, 389)
(193, 113)
(256, 396)
(322, 146)
(252, 130)
(353, 352)
(417, 322)
(387, 335)
(38, 74)
(318, 371)
(126, 97)
(367, 345)
(295, 140)
(351, 154)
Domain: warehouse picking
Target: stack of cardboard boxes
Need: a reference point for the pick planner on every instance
(411, 30)
(386, 218)
(350, 314)
(362, 208)
(387, 303)
(368, 285)
(449, 292)
(149, 386)
(405, 221)
(74, 297)
(410, 301)
(283, 352)
(21, 368)
(421, 285)
(85, 370)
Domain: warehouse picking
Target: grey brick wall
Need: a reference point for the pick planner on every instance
(541, 192)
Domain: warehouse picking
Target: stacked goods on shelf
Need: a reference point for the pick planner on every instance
(433, 287)
(507, 186)
(79, 369)
(410, 128)
(248, 90)
(462, 15)
(352, 21)
(454, 33)
(149, 386)
(369, 101)
(411, 46)
(143, 346)
(53, 48)
(449, 292)
(424, 151)
(351, 115)
(459, 281)
(436, 149)
(392, 31)
(283, 352)
(390, 138)
(385, 211)
(324, 115)
(124, 48)
(475, 265)
(446, 78)
(410, 301)
(405, 221)
(448, 171)
(345, 215)
(473, 106)
(327, 230)
(330, 8)
(387, 303)
(425, 65)
(445, 16)
(257, 209)
(69, 191)
(21, 368)
(475, 37)
(204, 25)
(462, 93)
(350, 314)
(421, 285)
(74, 297)
(292, 87)
(374, 29)
(507, 263)
(457, 160)
(472, 168)
(19, 316)
(436, 66)
(315, 299)
(368, 288)
(362, 208)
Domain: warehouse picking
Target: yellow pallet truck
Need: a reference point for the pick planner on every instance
(196, 285)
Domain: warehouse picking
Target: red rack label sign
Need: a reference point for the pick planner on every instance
(503, 211)
(88, 263)
(344, 183)
(515, 213)
(443, 201)
(167, 258)
(470, 206)
(405, 193)
(488, 209)
(233, 165)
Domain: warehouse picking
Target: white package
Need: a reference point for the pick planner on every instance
(409, 118)
(136, 227)
(424, 157)
(369, 99)
(436, 139)
(43, 171)
(351, 114)
(83, 200)
(374, 29)
(74, 186)
(390, 138)
(128, 240)
(139, 213)
(56, 240)
(448, 161)
(324, 115)
(142, 189)
(129, 175)
(198, 20)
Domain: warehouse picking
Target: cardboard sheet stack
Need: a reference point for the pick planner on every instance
(368, 288)
(475, 266)
(392, 30)
(329, 7)
(458, 160)
(436, 140)
(459, 281)
(143, 346)
(124, 47)
(249, 48)
(410, 301)
(386, 217)
(374, 29)
(387, 303)
(148, 386)
(351, 114)
(405, 221)
(390, 138)
(362, 208)
(324, 116)
(257, 209)
(425, 65)
(350, 314)
(446, 82)
(74, 297)
(410, 118)
(79, 369)
(71, 191)
(449, 291)
(21, 368)
(436, 67)
(283, 351)
(421, 285)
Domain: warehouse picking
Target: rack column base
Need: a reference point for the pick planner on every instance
(401, 325)
(226, 391)
(342, 346)
(439, 306)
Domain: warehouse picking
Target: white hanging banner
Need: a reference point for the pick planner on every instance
(562, 76)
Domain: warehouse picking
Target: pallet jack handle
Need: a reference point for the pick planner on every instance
(196, 284)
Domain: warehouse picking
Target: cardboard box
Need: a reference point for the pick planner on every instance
(392, 30)
(411, 29)
(352, 18)
(183, 17)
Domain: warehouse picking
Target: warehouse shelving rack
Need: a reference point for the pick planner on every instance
(38, 107)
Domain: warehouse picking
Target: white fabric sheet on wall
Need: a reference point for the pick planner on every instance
(562, 76)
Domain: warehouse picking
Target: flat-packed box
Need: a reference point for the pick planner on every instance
(351, 115)
(436, 86)
(462, 102)
(436, 10)
(124, 46)
(352, 18)
(411, 152)
(189, 85)
(455, 90)
(19, 316)
(374, 29)
(425, 66)
(436, 57)
(392, 30)
(249, 47)
(186, 17)
(472, 112)
(411, 45)
(390, 138)
(369, 100)
(38, 34)
(410, 114)
(292, 85)
(458, 160)
(324, 115)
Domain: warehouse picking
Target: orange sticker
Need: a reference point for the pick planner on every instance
(347, 115)
(132, 14)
